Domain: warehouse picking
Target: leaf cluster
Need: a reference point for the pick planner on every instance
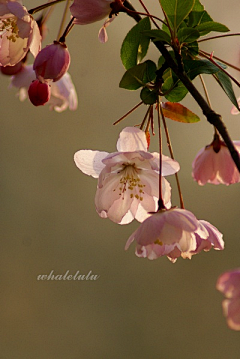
(186, 21)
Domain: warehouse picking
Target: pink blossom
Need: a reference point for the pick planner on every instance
(63, 93)
(86, 12)
(128, 179)
(39, 93)
(52, 62)
(167, 232)
(19, 33)
(207, 236)
(229, 284)
(214, 164)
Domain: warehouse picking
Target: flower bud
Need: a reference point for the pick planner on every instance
(52, 62)
(39, 93)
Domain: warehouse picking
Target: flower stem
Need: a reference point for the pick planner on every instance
(205, 90)
(219, 36)
(63, 19)
(67, 30)
(210, 58)
(145, 117)
(128, 113)
(207, 55)
(160, 199)
(44, 6)
(172, 156)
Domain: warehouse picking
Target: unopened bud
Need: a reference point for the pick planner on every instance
(52, 62)
(39, 93)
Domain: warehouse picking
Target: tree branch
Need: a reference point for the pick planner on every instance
(212, 117)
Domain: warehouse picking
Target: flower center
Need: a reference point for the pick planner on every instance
(9, 25)
(131, 182)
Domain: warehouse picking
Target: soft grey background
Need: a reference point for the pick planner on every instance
(138, 308)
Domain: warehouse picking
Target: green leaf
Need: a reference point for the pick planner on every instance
(177, 91)
(206, 27)
(135, 45)
(194, 68)
(191, 49)
(176, 11)
(179, 113)
(187, 35)
(148, 97)
(158, 35)
(198, 17)
(226, 84)
(138, 75)
(197, 6)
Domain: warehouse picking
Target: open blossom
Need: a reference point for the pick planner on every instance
(229, 284)
(128, 179)
(174, 233)
(214, 164)
(63, 93)
(52, 62)
(19, 33)
(167, 232)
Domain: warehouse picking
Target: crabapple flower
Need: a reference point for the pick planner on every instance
(128, 179)
(86, 12)
(19, 33)
(167, 232)
(52, 62)
(229, 284)
(63, 93)
(214, 164)
(39, 93)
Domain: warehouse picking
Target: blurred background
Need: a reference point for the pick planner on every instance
(137, 308)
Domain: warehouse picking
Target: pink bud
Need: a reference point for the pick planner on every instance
(52, 62)
(39, 93)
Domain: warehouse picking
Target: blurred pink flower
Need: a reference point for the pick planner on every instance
(229, 284)
(214, 164)
(52, 62)
(127, 180)
(167, 232)
(19, 33)
(39, 93)
(63, 93)
(86, 12)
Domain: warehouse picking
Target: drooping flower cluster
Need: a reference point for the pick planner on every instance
(229, 284)
(19, 35)
(63, 94)
(128, 188)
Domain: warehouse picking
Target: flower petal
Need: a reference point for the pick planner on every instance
(132, 139)
(90, 162)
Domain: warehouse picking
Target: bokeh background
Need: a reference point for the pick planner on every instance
(137, 309)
